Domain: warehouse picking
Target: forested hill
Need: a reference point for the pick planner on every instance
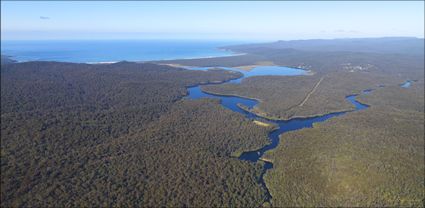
(368, 158)
(119, 135)
(52, 85)
(393, 45)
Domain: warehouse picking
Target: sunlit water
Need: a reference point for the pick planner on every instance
(86, 51)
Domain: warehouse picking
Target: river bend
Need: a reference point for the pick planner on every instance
(282, 126)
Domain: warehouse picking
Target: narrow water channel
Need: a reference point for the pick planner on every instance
(231, 103)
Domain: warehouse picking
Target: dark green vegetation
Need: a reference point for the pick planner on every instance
(120, 135)
(367, 158)
(305, 96)
(343, 73)
(373, 157)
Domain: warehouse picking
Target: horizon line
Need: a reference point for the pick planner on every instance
(211, 39)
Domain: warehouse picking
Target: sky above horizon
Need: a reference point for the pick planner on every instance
(210, 20)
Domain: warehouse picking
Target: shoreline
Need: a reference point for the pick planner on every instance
(274, 139)
(135, 61)
(264, 115)
(257, 64)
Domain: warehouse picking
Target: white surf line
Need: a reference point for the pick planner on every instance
(103, 62)
(311, 92)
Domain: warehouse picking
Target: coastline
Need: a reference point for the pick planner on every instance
(230, 53)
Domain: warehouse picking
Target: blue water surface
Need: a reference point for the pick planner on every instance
(83, 51)
(232, 103)
(258, 71)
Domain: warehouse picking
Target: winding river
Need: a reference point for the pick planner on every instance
(282, 126)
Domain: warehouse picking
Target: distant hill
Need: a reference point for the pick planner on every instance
(393, 45)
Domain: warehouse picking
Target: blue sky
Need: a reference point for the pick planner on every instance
(210, 20)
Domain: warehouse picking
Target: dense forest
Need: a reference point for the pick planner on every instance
(305, 96)
(367, 158)
(123, 135)
(120, 135)
(341, 74)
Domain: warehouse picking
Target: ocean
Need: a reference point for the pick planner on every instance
(95, 51)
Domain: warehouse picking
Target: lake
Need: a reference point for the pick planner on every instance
(94, 51)
(258, 71)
